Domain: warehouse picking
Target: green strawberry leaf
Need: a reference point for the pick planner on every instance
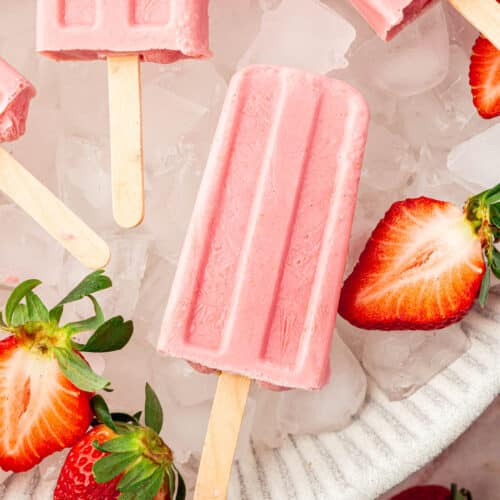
(36, 308)
(101, 411)
(20, 315)
(55, 314)
(137, 416)
(122, 444)
(107, 468)
(181, 486)
(493, 195)
(153, 413)
(171, 481)
(91, 284)
(2, 322)
(495, 262)
(153, 485)
(485, 287)
(78, 371)
(112, 335)
(137, 476)
(89, 323)
(16, 296)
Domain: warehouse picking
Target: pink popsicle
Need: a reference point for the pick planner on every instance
(258, 280)
(158, 30)
(15, 95)
(389, 17)
(124, 32)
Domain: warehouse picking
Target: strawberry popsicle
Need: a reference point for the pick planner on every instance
(389, 17)
(259, 276)
(36, 200)
(159, 31)
(15, 95)
(124, 32)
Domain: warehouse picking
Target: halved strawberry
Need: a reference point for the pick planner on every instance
(41, 411)
(424, 264)
(433, 492)
(45, 383)
(484, 77)
(120, 458)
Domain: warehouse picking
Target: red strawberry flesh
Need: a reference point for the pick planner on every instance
(484, 77)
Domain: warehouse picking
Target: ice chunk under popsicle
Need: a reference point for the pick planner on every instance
(15, 95)
(258, 280)
(158, 30)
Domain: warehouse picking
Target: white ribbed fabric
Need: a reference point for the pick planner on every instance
(385, 444)
(389, 440)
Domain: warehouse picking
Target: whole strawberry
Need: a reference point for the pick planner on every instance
(425, 264)
(433, 492)
(45, 383)
(120, 458)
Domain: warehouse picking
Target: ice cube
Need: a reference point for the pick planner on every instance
(176, 90)
(3, 476)
(169, 207)
(414, 61)
(185, 427)
(402, 362)
(233, 25)
(185, 385)
(476, 160)
(29, 252)
(126, 269)
(269, 4)
(331, 408)
(83, 96)
(305, 27)
(266, 426)
(388, 162)
(432, 179)
(84, 178)
(22, 485)
(153, 295)
(454, 91)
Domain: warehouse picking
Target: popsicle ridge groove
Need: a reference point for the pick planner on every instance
(279, 167)
(198, 310)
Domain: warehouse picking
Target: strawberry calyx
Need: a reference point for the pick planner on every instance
(38, 330)
(461, 494)
(483, 213)
(137, 454)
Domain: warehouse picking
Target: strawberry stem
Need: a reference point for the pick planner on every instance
(461, 494)
(483, 212)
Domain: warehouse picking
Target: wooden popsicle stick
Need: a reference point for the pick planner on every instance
(52, 214)
(222, 436)
(127, 162)
(482, 14)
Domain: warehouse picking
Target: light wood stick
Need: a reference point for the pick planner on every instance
(222, 436)
(484, 15)
(127, 163)
(51, 213)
